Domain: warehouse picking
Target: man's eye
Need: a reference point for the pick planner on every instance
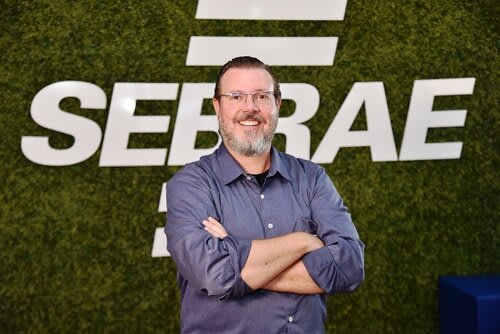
(263, 97)
(236, 96)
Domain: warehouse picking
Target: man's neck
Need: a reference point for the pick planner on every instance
(253, 165)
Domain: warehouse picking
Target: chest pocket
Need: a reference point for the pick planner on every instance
(305, 225)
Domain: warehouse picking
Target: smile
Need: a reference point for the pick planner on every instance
(249, 122)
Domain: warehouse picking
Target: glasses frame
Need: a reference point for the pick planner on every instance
(233, 94)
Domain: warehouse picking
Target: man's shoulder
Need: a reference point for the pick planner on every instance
(196, 168)
(291, 163)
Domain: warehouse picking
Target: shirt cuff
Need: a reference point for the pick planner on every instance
(238, 290)
(238, 254)
(320, 265)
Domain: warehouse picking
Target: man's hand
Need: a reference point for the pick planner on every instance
(215, 228)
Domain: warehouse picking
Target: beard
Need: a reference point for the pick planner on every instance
(254, 143)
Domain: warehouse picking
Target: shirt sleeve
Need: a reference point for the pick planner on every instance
(210, 264)
(339, 266)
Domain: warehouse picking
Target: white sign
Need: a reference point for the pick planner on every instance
(122, 122)
(216, 50)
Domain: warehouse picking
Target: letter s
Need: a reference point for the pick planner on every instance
(45, 112)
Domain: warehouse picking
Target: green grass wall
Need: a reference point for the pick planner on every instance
(75, 241)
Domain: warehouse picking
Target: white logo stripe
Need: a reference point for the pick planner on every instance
(162, 204)
(160, 244)
(283, 51)
(326, 10)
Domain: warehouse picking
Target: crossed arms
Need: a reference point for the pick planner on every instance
(231, 266)
(274, 264)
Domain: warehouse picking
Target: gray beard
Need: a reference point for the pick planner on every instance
(254, 145)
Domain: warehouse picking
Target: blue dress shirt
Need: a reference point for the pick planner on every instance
(297, 195)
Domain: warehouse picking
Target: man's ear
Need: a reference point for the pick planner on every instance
(216, 104)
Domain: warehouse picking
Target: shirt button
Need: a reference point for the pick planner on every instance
(249, 178)
(270, 226)
(262, 196)
(290, 319)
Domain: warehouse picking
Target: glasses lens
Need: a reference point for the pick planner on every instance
(235, 99)
(262, 99)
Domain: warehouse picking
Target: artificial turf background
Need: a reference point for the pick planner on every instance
(75, 241)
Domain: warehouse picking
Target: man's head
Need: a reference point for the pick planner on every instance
(247, 99)
(247, 62)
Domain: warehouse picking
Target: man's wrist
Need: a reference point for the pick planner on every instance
(310, 242)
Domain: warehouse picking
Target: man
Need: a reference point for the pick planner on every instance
(259, 237)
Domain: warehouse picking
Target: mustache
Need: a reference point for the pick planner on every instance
(249, 117)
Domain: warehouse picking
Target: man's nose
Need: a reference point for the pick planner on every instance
(250, 102)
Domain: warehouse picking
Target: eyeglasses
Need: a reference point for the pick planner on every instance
(261, 99)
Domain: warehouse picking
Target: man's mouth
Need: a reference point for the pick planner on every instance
(253, 120)
(249, 122)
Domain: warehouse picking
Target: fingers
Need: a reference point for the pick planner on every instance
(215, 228)
(210, 230)
(318, 243)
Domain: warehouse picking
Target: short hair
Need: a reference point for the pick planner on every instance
(246, 62)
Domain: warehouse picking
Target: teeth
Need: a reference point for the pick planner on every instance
(249, 122)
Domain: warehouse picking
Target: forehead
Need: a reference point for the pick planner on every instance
(246, 80)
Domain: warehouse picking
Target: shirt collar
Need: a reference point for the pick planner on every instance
(231, 169)
(277, 165)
